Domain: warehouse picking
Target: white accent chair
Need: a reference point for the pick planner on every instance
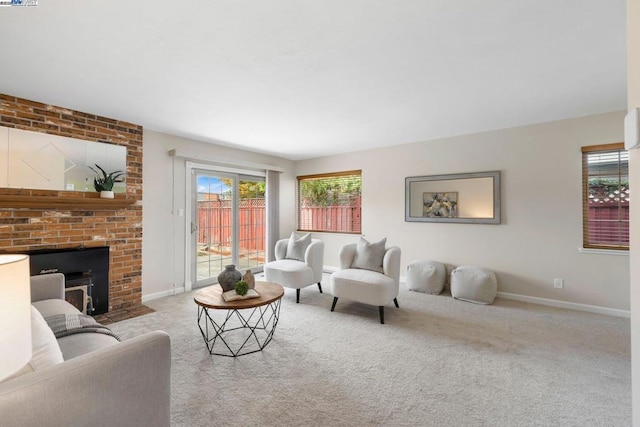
(295, 274)
(367, 286)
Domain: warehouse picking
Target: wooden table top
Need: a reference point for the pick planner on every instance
(211, 297)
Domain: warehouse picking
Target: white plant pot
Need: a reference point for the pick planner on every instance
(106, 194)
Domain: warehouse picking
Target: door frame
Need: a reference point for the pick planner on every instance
(190, 168)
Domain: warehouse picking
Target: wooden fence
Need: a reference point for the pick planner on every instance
(215, 225)
(338, 218)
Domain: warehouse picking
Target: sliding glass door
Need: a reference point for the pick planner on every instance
(228, 223)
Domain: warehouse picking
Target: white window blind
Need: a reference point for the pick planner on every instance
(605, 201)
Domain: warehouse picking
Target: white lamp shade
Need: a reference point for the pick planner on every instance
(15, 314)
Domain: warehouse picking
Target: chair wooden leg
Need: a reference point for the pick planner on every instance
(320, 287)
(297, 296)
(395, 300)
(335, 300)
(381, 308)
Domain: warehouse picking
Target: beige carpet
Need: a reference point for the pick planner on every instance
(436, 362)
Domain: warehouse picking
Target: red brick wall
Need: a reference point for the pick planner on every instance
(24, 229)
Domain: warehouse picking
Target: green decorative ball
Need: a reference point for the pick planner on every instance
(242, 287)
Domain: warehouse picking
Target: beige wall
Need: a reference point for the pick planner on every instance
(541, 230)
(633, 98)
(163, 247)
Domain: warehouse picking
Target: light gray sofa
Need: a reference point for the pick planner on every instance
(101, 382)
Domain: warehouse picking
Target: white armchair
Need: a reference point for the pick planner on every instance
(295, 274)
(367, 286)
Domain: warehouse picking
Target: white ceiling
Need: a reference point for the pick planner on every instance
(306, 78)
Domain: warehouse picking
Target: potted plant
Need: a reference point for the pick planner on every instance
(241, 288)
(103, 182)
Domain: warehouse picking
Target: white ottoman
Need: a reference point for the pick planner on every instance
(426, 276)
(473, 284)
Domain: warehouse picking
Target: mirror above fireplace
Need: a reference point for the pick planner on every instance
(42, 161)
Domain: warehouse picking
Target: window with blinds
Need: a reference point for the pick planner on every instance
(330, 202)
(605, 199)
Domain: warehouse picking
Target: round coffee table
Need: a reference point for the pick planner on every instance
(248, 325)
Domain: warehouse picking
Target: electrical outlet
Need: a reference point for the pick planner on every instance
(558, 283)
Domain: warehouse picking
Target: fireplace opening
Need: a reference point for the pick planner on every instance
(86, 272)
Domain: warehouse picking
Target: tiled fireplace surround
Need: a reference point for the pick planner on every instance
(73, 225)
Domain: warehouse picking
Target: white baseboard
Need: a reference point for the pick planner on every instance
(564, 304)
(162, 294)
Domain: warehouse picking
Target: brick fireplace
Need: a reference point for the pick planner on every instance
(44, 219)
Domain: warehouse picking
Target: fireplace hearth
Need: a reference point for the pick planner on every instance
(86, 273)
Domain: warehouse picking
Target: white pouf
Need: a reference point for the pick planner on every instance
(426, 276)
(474, 284)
